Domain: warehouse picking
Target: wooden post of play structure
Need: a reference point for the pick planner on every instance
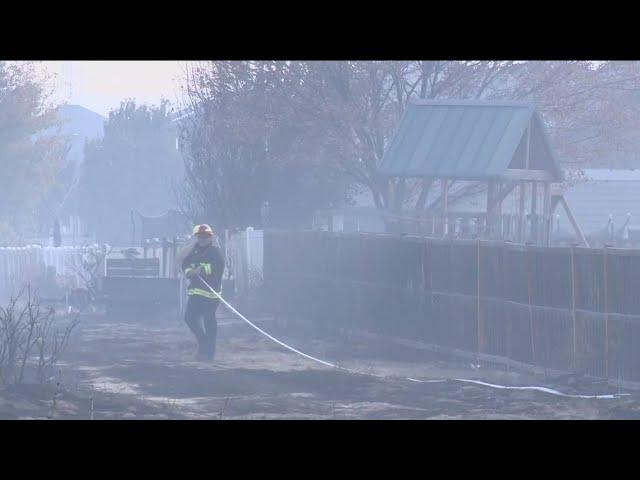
(546, 219)
(491, 186)
(527, 158)
(534, 215)
(445, 207)
(521, 223)
(165, 251)
(174, 256)
(527, 163)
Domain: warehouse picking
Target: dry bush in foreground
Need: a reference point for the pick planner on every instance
(32, 339)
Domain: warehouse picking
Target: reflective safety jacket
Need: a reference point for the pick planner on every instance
(212, 262)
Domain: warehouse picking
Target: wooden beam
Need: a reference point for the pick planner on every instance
(573, 221)
(514, 174)
(534, 211)
(547, 214)
(502, 194)
(491, 187)
(424, 193)
(445, 205)
(523, 192)
(490, 195)
(445, 195)
(399, 194)
(555, 200)
(557, 190)
(497, 211)
(528, 151)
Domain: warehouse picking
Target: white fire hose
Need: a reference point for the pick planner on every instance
(464, 380)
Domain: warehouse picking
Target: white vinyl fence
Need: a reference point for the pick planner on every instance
(30, 264)
(22, 265)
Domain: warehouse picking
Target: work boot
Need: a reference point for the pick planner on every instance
(201, 354)
(210, 355)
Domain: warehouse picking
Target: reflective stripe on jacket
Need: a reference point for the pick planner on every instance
(204, 293)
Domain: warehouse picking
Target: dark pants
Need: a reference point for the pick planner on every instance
(199, 306)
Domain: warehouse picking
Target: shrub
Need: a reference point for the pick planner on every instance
(32, 338)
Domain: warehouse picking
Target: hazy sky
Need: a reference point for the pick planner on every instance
(102, 85)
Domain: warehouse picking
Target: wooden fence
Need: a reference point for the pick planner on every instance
(571, 309)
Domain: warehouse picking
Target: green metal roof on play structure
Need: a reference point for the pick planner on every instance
(462, 139)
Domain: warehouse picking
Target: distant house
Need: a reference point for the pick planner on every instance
(606, 205)
(80, 125)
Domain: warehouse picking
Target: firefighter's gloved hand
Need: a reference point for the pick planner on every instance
(194, 272)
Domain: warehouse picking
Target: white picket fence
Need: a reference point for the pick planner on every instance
(22, 265)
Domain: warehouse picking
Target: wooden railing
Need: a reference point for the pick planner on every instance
(460, 225)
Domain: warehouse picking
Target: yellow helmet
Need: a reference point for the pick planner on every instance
(203, 228)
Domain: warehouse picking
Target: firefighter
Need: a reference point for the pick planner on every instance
(203, 260)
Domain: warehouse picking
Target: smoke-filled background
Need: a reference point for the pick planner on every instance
(106, 166)
(216, 140)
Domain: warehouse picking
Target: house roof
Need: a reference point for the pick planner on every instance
(609, 175)
(465, 140)
(604, 193)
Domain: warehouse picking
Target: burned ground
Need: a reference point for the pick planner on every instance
(145, 370)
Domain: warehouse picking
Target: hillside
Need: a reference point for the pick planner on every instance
(80, 124)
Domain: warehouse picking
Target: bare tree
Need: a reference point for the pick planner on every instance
(242, 147)
(28, 330)
(343, 114)
(356, 106)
